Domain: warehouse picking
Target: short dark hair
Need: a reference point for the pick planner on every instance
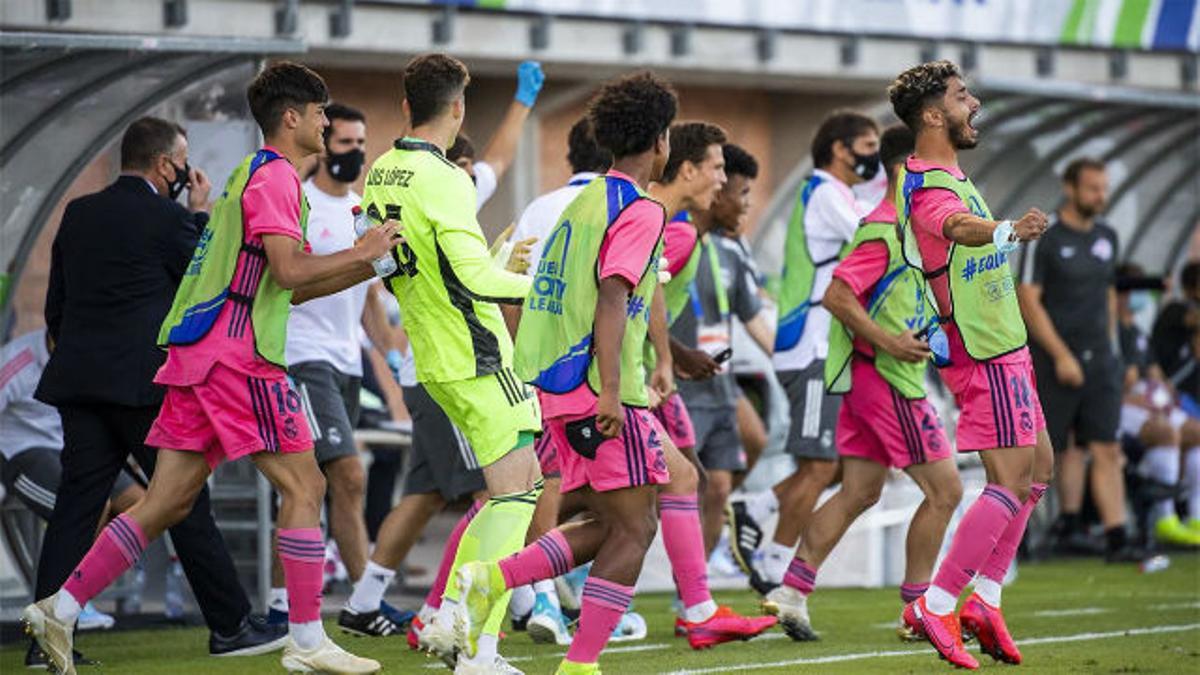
(738, 162)
(1077, 166)
(919, 86)
(895, 145)
(147, 138)
(462, 147)
(340, 111)
(839, 125)
(281, 86)
(689, 143)
(432, 82)
(629, 113)
(583, 153)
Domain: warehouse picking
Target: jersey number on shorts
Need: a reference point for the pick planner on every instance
(292, 403)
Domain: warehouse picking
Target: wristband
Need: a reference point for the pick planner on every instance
(1004, 237)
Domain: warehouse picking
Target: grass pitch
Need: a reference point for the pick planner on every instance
(1077, 616)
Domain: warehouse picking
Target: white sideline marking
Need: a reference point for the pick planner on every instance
(837, 658)
(1177, 605)
(1080, 611)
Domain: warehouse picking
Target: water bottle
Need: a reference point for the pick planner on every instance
(939, 346)
(173, 591)
(131, 602)
(385, 265)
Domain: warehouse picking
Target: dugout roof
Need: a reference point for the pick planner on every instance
(1029, 132)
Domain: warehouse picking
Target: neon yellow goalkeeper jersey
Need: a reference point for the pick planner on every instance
(447, 285)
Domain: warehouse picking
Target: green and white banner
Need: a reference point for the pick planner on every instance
(1132, 24)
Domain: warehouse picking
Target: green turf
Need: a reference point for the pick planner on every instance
(1156, 619)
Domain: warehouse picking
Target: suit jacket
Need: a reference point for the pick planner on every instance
(114, 268)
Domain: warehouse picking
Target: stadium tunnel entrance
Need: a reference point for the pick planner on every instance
(76, 93)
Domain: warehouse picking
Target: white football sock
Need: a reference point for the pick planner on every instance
(700, 612)
(522, 600)
(369, 589)
(66, 607)
(762, 505)
(278, 599)
(775, 561)
(940, 602)
(307, 635)
(988, 589)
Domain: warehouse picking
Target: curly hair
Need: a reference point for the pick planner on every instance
(583, 153)
(738, 162)
(629, 113)
(281, 86)
(919, 86)
(432, 82)
(689, 143)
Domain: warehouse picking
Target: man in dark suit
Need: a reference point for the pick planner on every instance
(116, 262)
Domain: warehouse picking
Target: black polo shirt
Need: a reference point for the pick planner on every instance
(1075, 270)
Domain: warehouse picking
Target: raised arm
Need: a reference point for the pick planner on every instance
(502, 147)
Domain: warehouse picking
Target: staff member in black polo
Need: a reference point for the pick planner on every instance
(114, 267)
(1068, 299)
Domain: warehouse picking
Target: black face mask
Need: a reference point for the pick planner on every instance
(181, 180)
(347, 166)
(866, 166)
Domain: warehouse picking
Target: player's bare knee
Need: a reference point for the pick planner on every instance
(346, 479)
(1107, 455)
(1157, 432)
(863, 497)
(633, 533)
(720, 485)
(1189, 434)
(944, 496)
(303, 491)
(822, 472)
(170, 509)
(685, 479)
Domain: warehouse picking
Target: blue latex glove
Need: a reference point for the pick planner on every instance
(530, 79)
(394, 360)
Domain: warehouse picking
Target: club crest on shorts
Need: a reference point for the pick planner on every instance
(290, 429)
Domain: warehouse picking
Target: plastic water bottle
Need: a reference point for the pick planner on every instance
(131, 602)
(939, 346)
(385, 265)
(173, 591)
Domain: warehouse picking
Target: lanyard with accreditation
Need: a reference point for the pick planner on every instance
(714, 338)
